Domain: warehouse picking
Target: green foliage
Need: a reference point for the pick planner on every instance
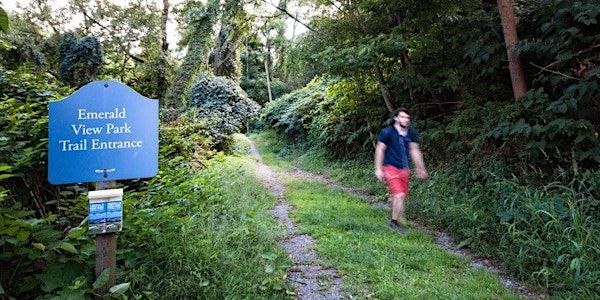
(209, 235)
(324, 113)
(23, 142)
(39, 231)
(446, 63)
(223, 105)
(547, 236)
(19, 46)
(80, 59)
(3, 20)
(201, 20)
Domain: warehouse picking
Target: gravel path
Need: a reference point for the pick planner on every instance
(310, 279)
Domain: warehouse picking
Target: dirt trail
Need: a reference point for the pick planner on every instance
(311, 280)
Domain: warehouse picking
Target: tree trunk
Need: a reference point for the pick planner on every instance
(196, 58)
(509, 27)
(268, 77)
(385, 92)
(161, 81)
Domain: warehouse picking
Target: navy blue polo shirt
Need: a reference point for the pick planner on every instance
(396, 152)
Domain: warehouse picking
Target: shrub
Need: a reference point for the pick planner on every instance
(327, 113)
(80, 59)
(223, 106)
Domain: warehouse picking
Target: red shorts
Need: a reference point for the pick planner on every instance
(396, 179)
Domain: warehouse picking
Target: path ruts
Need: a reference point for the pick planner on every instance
(308, 276)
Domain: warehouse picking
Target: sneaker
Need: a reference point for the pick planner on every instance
(398, 227)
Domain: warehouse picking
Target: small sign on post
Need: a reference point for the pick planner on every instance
(103, 132)
(105, 211)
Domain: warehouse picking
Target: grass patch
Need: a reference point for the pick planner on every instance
(376, 262)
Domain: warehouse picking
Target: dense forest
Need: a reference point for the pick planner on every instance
(515, 178)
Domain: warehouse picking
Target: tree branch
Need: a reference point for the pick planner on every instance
(85, 14)
(290, 15)
(552, 71)
(552, 64)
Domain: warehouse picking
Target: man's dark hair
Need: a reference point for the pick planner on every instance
(399, 110)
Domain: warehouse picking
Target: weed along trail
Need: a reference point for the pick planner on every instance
(308, 275)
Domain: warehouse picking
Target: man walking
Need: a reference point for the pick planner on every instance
(395, 144)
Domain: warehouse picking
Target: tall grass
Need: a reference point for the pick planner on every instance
(549, 235)
(209, 235)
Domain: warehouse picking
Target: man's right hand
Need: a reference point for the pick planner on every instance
(422, 173)
(379, 174)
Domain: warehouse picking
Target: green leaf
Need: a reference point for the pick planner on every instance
(57, 276)
(3, 20)
(39, 246)
(119, 289)
(76, 233)
(102, 279)
(68, 247)
(2, 292)
(22, 235)
(4, 176)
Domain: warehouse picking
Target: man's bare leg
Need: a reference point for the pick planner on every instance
(398, 208)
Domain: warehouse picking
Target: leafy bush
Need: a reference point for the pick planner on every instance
(325, 113)
(39, 236)
(23, 142)
(223, 106)
(80, 59)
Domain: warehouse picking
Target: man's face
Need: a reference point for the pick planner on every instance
(402, 119)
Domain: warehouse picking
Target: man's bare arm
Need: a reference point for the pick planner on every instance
(379, 154)
(417, 158)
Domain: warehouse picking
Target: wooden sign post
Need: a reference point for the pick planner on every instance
(106, 247)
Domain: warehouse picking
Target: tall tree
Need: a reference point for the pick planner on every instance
(509, 27)
(127, 33)
(226, 53)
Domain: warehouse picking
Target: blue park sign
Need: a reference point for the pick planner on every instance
(104, 131)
